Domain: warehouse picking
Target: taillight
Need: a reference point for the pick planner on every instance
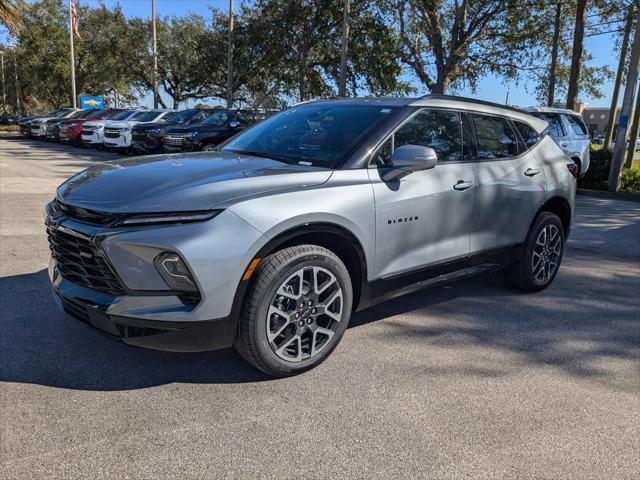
(574, 169)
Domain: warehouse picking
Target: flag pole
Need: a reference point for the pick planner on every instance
(73, 63)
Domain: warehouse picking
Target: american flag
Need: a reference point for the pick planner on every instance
(74, 17)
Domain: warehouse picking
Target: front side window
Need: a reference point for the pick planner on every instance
(438, 129)
(312, 134)
(147, 116)
(577, 125)
(495, 137)
(528, 134)
(217, 119)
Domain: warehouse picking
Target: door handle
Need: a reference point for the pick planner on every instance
(532, 172)
(462, 185)
(564, 145)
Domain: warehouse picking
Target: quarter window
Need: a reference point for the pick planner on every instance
(555, 128)
(528, 134)
(495, 137)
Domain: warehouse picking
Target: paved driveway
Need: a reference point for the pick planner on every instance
(472, 380)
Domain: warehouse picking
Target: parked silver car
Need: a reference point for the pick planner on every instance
(271, 242)
(567, 128)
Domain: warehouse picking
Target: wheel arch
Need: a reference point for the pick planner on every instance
(561, 207)
(333, 237)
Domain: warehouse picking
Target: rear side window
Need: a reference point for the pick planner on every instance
(576, 124)
(495, 137)
(528, 134)
(555, 128)
(438, 129)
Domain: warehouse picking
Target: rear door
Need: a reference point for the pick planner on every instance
(511, 183)
(424, 218)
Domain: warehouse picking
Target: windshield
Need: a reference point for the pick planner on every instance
(79, 114)
(122, 115)
(94, 113)
(146, 116)
(62, 113)
(217, 119)
(311, 134)
(112, 114)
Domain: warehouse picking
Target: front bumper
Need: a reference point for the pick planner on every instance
(93, 138)
(145, 312)
(93, 309)
(122, 141)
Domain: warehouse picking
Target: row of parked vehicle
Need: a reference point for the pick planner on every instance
(141, 131)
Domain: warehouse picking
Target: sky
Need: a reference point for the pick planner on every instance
(489, 88)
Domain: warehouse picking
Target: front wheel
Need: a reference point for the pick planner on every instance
(296, 310)
(541, 254)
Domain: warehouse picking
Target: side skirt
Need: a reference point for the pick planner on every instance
(394, 286)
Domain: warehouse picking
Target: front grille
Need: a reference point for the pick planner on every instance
(87, 131)
(111, 133)
(79, 261)
(138, 136)
(174, 141)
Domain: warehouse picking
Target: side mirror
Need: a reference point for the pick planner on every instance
(408, 159)
(234, 124)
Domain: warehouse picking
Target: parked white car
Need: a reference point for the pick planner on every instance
(93, 132)
(39, 125)
(567, 128)
(117, 134)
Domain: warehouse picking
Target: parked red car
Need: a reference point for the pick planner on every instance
(70, 129)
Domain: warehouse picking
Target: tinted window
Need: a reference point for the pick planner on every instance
(555, 128)
(122, 115)
(495, 137)
(93, 113)
(146, 116)
(315, 134)
(440, 130)
(528, 134)
(217, 119)
(576, 124)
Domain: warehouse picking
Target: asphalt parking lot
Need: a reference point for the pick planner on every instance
(472, 380)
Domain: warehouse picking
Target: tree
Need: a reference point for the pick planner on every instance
(448, 43)
(576, 56)
(10, 15)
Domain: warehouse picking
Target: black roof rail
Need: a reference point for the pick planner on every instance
(441, 96)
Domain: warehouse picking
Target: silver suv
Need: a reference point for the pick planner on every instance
(567, 128)
(271, 242)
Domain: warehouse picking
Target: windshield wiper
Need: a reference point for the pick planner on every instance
(255, 153)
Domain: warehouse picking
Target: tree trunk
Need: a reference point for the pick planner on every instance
(633, 135)
(576, 56)
(608, 137)
(554, 57)
(302, 84)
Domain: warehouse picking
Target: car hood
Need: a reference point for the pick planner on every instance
(195, 127)
(151, 126)
(120, 124)
(170, 183)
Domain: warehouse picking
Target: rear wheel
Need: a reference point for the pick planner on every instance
(296, 310)
(541, 254)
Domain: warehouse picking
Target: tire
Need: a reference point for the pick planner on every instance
(279, 331)
(541, 255)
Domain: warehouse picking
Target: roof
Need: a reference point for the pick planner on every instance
(445, 101)
(550, 110)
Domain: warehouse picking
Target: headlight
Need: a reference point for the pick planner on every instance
(73, 124)
(154, 131)
(178, 217)
(193, 135)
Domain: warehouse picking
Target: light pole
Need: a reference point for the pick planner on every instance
(4, 92)
(230, 58)
(15, 73)
(342, 87)
(155, 54)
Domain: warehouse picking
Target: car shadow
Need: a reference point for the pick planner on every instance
(575, 325)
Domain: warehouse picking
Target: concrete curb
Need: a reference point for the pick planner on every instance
(610, 195)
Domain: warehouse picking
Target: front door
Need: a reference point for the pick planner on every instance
(424, 218)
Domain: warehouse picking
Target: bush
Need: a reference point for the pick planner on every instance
(630, 180)
(597, 177)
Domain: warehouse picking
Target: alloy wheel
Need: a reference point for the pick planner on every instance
(547, 252)
(304, 314)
